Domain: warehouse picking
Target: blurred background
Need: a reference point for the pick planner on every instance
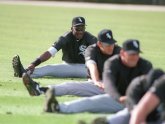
(145, 2)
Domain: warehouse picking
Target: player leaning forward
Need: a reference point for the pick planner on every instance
(73, 45)
(118, 73)
(95, 56)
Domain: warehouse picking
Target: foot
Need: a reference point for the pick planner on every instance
(100, 120)
(17, 66)
(32, 86)
(51, 104)
(81, 122)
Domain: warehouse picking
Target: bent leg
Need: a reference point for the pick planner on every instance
(121, 117)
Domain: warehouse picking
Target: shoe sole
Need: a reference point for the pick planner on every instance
(27, 83)
(50, 101)
(16, 66)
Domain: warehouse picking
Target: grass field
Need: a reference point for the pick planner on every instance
(30, 30)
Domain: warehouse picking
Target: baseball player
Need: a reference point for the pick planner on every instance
(73, 45)
(148, 105)
(119, 71)
(95, 56)
(136, 90)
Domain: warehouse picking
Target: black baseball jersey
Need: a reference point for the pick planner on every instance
(94, 53)
(117, 76)
(73, 50)
(136, 90)
(158, 88)
(138, 87)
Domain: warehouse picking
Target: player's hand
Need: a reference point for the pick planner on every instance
(123, 99)
(31, 68)
(99, 84)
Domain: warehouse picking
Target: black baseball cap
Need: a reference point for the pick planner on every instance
(106, 36)
(132, 46)
(78, 21)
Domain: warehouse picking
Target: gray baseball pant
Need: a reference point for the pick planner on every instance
(64, 70)
(97, 104)
(121, 117)
(83, 89)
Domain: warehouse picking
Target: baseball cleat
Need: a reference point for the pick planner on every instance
(51, 104)
(100, 120)
(17, 66)
(31, 86)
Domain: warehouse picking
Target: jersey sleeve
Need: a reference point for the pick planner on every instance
(109, 78)
(90, 55)
(93, 40)
(158, 88)
(52, 51)
(59, 43)
(56, 46)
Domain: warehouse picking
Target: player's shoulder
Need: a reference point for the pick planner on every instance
(144, 62)
(66, 37)
(140, 80)
(114, 60)
(67, 34)
(89, 36)
(160, 81)
(137, 83)
(91, 48)
(117, 48)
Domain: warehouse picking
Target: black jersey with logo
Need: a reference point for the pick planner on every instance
(72, 49)
(117, 76)
(94, 53)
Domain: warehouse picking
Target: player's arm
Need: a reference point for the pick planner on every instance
(93, 70)
(90, 58)
(47, 54)
(44, 57)
(146, 105)
(109, 79)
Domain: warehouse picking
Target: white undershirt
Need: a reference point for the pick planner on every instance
(52, 51)
(90, 62)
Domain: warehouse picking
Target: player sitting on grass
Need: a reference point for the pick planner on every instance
(73, 45)
(136, 90)
(95, 56)
(149, 105)
(118, 73)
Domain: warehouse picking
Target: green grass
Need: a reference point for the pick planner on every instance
(30, 30)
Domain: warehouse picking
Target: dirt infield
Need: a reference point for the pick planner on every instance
(86, 5)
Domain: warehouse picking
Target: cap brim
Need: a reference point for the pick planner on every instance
(133, 52)
(110, 42)
(79, 24)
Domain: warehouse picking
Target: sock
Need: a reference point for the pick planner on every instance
(43, 89)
